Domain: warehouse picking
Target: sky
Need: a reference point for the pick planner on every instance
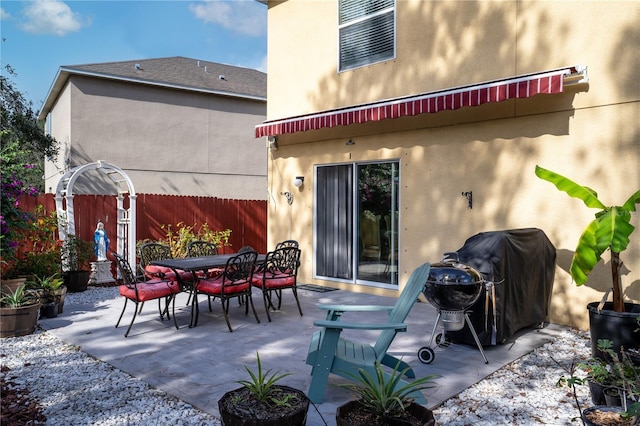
(40, 36)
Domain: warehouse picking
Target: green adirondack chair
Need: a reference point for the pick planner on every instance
(330, 353)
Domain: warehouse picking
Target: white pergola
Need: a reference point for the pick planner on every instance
(126, 239)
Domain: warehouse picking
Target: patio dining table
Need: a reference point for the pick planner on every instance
(194, 265)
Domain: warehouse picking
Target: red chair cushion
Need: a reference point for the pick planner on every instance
(214, 286)
(278, 281)
(153, 271)
(150, 290)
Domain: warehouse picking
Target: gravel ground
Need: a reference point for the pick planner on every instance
(75, 389)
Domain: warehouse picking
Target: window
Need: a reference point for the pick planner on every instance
(356, 223)
(366, 32)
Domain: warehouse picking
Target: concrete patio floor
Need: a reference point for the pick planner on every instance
(198, 365)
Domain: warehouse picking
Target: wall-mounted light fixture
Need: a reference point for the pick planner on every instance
(469, 196)
(350, 142)
(272, 143)
(298, 181)
(288, 196)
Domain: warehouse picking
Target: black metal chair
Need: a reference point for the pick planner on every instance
(287, 243)
(234, 281)
(141, 291)
(201, 248)
(155, 251)
(278, 272)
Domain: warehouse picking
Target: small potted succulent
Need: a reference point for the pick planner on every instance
(381, 401)
(261, 401)
(52, 293)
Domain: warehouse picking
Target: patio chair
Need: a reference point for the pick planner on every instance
(201, 248)
(287, 243)
(330, 353)
(278, 272)
(141, 291)
(234, 281)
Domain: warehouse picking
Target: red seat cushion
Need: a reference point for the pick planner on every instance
(153, 271)
(150, 290)
(214, 286)
(277, 281)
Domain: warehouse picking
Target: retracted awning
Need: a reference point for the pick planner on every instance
(524, 86)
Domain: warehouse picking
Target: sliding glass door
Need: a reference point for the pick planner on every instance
(356, 223)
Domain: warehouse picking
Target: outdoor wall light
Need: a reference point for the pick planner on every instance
(298, 181)
(272, 143)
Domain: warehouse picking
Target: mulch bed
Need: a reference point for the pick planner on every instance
(17, 406)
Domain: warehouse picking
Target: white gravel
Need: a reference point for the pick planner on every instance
(75, 389)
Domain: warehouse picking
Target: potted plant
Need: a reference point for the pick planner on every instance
(19, 312)
(261, 401)
(620, 375)
(75, 255)
(52, 293)
(381, 402)
(610, 230)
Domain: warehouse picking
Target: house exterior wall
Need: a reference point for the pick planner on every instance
(590, 134)
(172, 142)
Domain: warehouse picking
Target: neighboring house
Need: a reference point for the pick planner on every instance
(176, 126)
(405, 152)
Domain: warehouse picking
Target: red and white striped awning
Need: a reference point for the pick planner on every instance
(524, 86)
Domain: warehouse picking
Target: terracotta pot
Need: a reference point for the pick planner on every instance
(417, 410)
(296, 417)
(10, 286)
(20, 321)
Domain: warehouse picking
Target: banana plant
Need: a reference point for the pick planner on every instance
(610, 230)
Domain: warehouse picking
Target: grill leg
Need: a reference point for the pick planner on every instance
(475, 336)
(435, 326)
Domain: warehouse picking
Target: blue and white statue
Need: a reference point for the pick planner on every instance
(100, 242)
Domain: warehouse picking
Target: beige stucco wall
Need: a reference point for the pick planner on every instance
(590, 134)
(167, 141)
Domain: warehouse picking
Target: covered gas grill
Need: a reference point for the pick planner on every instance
(517, 268)
(452, 287)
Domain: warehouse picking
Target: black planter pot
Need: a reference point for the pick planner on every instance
(49, 310)
(417, 410)
(587, 411)
(597, 393)
(619, 327)
(76, 281)
(295, 417)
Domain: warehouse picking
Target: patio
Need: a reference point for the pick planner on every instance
(207, 360)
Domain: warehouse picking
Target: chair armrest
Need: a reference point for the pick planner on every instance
(355, 308)
(399, 326)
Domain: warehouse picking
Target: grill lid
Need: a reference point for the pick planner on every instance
(453, 286)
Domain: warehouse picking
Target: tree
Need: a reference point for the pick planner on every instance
(23, 148)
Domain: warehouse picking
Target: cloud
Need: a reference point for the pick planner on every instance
(4, 14)
(51, 17)
(242, 16)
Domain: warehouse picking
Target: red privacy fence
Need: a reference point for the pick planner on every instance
(247, 219)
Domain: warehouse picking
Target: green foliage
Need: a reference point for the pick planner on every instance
(261, 383)
(610, 229)
(180, 238)
(48, 283)
(76, 254)
(624, 376)
(384, 396)
(23, 147)
(19, 297)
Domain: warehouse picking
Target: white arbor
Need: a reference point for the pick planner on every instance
(126, 239)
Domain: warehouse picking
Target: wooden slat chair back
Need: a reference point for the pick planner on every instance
(141, 291)
(278, 272)
(234, 281)
(330, 353)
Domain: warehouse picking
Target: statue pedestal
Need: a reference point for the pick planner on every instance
(101, 272)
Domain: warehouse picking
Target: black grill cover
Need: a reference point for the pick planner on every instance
(522, 264)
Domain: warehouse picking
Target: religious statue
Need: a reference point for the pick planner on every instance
(100, 242)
